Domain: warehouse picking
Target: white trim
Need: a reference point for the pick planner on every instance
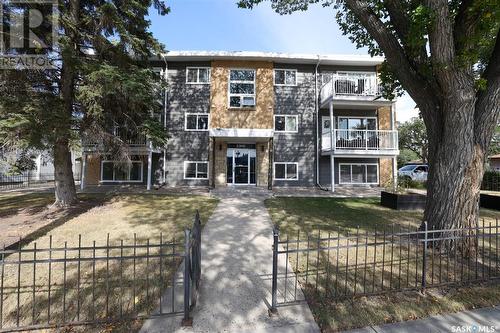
(241, 96)
(241, 133)
(197, 68)
(197, 119)
(129, 170)
(286, 171)
(197, 162)
(374, 73)
(287, 115)
(366, 174)
(326, 59)
(285, 70)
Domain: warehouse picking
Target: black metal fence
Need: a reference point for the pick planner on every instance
(57, 285)
(339, 266)
(28, 180)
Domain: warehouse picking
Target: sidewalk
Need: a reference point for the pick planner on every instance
(236, 275)
(485, 320)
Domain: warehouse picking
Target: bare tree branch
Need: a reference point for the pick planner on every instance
(420, 89)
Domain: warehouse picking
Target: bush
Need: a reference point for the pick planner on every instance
(491, 181)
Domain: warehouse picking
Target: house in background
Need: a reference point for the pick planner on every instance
(263, 119)
(494, 161)
(43, 164)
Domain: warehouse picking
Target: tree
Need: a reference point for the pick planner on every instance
(495, 142)
(446, 55)
(102, 71)
(413, 137)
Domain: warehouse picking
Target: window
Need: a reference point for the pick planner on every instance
(241, 88)
(286, 171)
(358, 173)
(198, 75)
(196, 122)
(114, 171)
(195, 170)
(285, 77)
(285, 123)
(367, 123)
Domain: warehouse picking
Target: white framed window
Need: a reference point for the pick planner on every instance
(286, 170)
(353, 173)
(241, 88)
(357, 123)
(285, 77)
(120, 172)
(195, 169)
(198, 75)
(196, 122)
(286, 123)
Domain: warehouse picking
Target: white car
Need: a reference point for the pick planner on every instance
(416, 172)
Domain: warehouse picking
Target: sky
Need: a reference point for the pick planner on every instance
(219, 25)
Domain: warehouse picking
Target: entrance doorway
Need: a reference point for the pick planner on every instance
(241, 164)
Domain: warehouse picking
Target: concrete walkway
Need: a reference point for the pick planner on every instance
(485, 320)
(236, 275)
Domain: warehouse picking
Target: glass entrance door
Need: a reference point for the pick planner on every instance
(240, 166)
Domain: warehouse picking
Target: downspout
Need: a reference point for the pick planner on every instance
(165, 103)
(316, 109)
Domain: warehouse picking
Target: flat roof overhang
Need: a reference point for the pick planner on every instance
(242, 134)
(360, 103)
(292, 58)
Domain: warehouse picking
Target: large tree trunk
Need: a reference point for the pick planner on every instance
(65, 190)
(64, 182)
(456, 164)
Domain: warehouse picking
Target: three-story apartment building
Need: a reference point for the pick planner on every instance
(264, 119)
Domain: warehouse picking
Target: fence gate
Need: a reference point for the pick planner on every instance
(48, 285)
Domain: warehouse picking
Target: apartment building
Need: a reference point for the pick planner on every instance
(263, 119)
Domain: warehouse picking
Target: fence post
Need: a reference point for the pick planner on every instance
(187, 320)
(424, 259)
(274, 292)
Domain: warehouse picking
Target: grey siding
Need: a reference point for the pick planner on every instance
(182, 145)
(297, 147)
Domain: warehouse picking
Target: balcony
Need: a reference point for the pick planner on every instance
(136, 143)
(351, 86)
(360, 142)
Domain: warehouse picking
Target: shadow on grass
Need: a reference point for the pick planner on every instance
(60, 216)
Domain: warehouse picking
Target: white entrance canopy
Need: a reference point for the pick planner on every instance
(247, 133)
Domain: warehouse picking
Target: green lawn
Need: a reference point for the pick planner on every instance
(336, 215)
(344, 214)
(125, 218)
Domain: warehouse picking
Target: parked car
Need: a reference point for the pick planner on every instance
(415, 172)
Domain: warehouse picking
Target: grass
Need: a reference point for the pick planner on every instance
(344, 214)
(126, 218)
(332, 303)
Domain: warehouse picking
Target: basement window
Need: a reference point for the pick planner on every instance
(195, 170)
(286, 171)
